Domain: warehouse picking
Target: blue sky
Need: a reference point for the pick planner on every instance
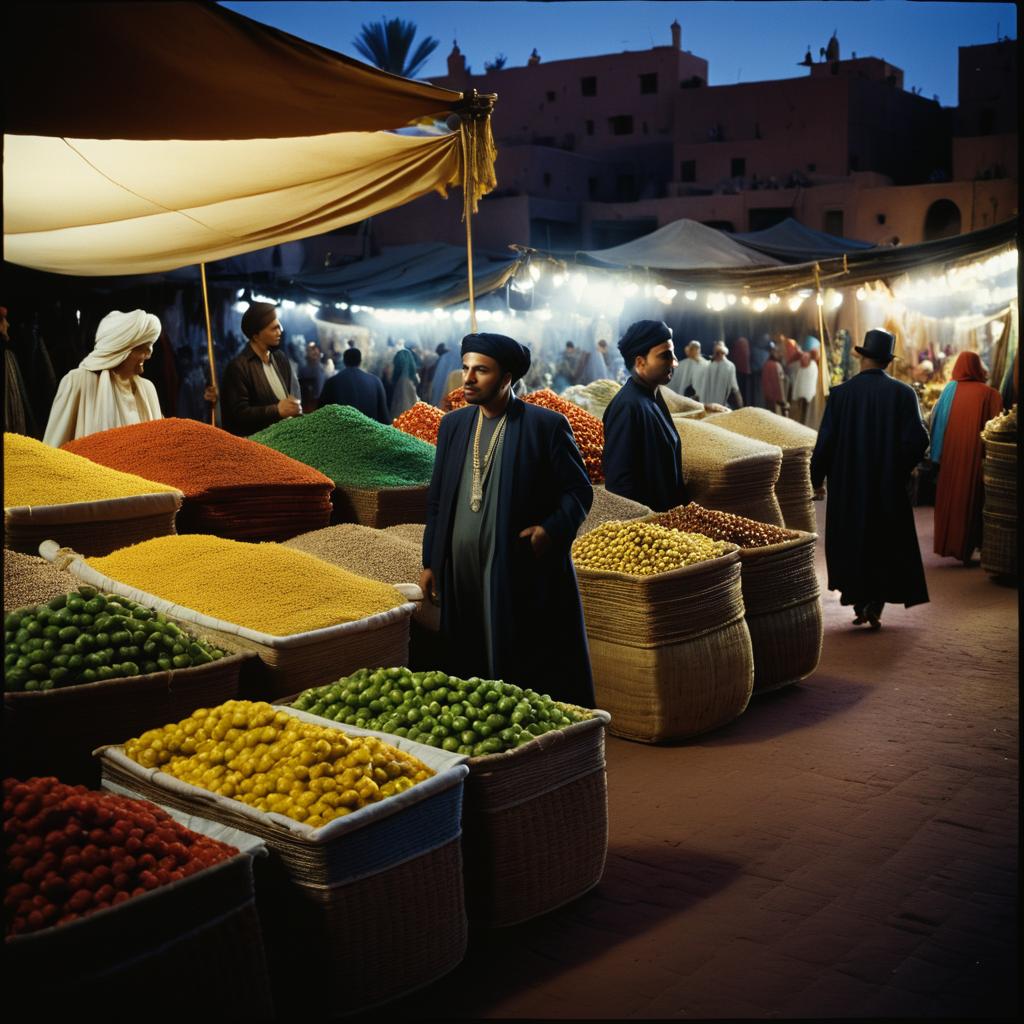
(741, 41)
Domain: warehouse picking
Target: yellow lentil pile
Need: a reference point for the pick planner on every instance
(273, 761)
(637, 548)
(266, 587)
(747, 533)
(36, 474)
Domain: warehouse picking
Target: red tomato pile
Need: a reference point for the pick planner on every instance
(588, 430)
(72, 851)
(421, 421)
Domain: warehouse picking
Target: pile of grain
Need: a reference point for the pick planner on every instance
(265, 587)
(233, 487)
(793, 488)
(607, 507)
(30, 580)
(352, 449)
(381, 555)
(680, 405)
(726, 471)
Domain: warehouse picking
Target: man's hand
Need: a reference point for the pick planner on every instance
(211, 394)
(819, 493)
(428, 586)
(289, 407)
(540, 542)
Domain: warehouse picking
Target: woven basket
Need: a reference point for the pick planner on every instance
(999, 544)
(289, 663)
(363, 893)
(54, 732)
(92, 527)
(535, 825)
(387, 507)
(670, 653)
(202, 931)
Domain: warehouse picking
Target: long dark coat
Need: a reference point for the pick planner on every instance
(363, 391)
(247, 403)
(642, 456)
(870, 439)
(537, 630)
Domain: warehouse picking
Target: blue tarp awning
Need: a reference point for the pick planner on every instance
(793, 242)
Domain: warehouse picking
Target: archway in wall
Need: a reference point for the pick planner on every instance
(942, 220)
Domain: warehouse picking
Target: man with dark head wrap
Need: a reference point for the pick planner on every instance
(508, 494)
(258, 388)
(642, 456)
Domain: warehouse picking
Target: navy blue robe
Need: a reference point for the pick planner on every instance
(363, 391)
(537, 632)
(870, 439)
(642, 457)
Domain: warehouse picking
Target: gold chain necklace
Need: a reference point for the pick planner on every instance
(476, 499)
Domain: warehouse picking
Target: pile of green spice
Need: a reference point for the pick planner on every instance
(352, 449)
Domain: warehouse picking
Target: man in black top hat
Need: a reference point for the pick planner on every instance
(508, 493)
(642, 456)
(258, 383)
(870, 439)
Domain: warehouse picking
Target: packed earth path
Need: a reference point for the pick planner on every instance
(846, 848)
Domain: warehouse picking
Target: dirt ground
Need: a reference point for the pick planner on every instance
(846, 848)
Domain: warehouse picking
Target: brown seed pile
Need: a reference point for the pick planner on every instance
(608, 506)
(375, 554)
(747, 533)
(31, 580)
(412, 532)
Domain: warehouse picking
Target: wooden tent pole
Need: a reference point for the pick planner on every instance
(823, 346)
(209, 342)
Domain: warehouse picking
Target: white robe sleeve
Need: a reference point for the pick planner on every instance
(63, 421)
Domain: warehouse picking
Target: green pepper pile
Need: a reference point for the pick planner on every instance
(88, 637)
(465, 716)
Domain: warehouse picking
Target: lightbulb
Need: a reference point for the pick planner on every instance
(861, 294)
(836, 300)
(460, 316)
(439, 312)
(691, 295)
(760, 305)
(745, 300)
(794, 302)
(731, 299)
(630, 289)
(773, 299)
(534, 271)
(558, 280)
(820, 299)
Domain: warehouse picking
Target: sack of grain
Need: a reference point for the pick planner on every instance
(29, 579)
(670, 652)
(307, 620)
(52, 494)
(680, 405)
(726, 471)
(608, 506)
(233, 487)
(781, 596)
(793, 488)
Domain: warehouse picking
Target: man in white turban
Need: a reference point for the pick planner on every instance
(107, 390)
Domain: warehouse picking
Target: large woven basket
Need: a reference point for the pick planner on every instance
(999, 544)
(670, 653)
(782, 599)
(376, 895)
(289, 663)
(92, 527)
(55, 732)
(387, 507)
(999, 517)
(535, 825)
(203, 931)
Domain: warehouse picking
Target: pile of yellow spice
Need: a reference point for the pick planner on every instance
(264, 587)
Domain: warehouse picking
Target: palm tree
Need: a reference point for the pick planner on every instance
(497, 64)
(387, 45)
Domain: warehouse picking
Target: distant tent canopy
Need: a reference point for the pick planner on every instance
(681, 245)
(427, 274)
(792, 242)
(237, 137)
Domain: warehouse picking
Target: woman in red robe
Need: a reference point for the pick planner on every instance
(959, 495)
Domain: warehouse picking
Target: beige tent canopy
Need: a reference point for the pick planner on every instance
(144, 137)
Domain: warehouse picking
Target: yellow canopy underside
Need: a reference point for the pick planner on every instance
(112, 206)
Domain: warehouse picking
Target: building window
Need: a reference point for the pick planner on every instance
(625, 188)
(551, 96)
(621, 125)
(649, 83)
(942, 220)
(833, 223)
(547, 178)
(688, 170)
(588, 85)
(590, 127)
(738, 167)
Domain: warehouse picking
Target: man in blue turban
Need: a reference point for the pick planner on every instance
(642, 456)
(508, 493)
